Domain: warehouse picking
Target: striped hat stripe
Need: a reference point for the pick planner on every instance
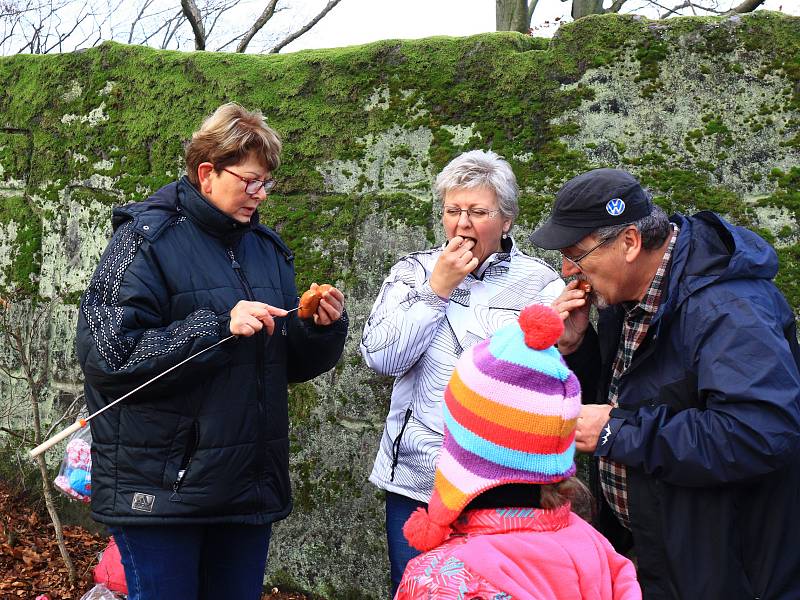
(512, 373)
(490, 470)
(550, 464)
(512, 437)
(548, 404)
(452, 496)
(503, 415)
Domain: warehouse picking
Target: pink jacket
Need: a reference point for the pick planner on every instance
(521, 554)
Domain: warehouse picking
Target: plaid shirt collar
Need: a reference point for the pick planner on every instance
(649, 304)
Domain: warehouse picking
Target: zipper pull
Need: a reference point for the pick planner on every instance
(176, 497)
(234, 263)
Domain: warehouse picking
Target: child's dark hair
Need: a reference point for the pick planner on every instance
(548, 496)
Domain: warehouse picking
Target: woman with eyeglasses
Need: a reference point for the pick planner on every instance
(432, 306)
(190, 474)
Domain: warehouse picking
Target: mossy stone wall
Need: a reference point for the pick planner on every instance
(705, 111)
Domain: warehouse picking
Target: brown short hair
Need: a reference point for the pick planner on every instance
(228, 137)
(571, 490)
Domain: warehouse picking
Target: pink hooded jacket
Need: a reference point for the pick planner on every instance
(521, 554)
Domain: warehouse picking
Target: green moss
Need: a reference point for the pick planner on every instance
(787, 194)
(788, 277)
(16, 148)
(303, 398)
(677, 189)
(312, 225)
(21, 276)
(314, 487)
(650, 55)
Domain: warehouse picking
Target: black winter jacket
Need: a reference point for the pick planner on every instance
(208, 442)
(709, 424)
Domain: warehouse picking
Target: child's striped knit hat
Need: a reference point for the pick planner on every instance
(509, 413)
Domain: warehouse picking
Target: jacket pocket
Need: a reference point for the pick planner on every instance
(396, 443)
(178, 464)
(680, 395)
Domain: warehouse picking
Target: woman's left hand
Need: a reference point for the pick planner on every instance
(330, 307)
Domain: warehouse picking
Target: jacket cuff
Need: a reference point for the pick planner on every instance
(339, 325)
(430, 297)
(608, 434)
(224, 322)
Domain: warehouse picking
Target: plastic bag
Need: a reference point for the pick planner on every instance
(75, 474)
(99, 592)
(109, 570)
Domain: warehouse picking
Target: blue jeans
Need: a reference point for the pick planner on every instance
(202, 562)
(398, 509)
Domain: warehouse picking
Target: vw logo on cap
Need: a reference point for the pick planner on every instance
(615, 207)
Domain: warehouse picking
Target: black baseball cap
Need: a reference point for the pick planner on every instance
(585, 203)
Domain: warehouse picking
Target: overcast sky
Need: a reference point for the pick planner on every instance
(361, 21)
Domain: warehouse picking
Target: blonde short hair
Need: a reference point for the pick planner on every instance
(229, 136)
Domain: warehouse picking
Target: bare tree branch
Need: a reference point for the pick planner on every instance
(746, 7)
(15, 434)
(269, 10)
(137, 18)
(308, 26)
(531, 7)
(70, 413)
(195, 19)
(215, 11)
(616, 6)
(174, 25)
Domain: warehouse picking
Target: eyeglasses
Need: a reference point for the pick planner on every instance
(577, 261)
(476, 215)
(252, 186)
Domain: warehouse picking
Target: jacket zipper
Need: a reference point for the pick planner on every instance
(396, 443)
(188, 455)
(260, 341)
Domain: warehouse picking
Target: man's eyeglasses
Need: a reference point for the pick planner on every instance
(477, 214)
(252, 186)
(577, 261)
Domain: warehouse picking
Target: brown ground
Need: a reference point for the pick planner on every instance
(30, 564)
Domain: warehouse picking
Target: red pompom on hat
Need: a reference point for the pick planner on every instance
(541, 325)
(422, 532)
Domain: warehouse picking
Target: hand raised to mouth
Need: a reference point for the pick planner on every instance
(454, 264)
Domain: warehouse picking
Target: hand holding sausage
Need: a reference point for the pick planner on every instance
(573, 307)
(248, 318)
(324, 303)
(454, 264)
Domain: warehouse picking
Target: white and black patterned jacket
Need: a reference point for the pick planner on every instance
(416, 337)
(209, 441)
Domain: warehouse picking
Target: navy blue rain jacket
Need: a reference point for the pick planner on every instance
(709, 423)
(208, 442)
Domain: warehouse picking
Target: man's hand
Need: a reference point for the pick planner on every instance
(591, 421)
(248, 318)
(454, 264)
(573, 308)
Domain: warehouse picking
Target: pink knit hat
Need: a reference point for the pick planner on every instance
(510, 411)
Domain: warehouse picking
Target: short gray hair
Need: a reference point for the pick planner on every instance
(482, 168)
(654, 229)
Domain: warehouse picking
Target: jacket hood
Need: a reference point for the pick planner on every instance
(181, 198)
(161, 206)
(708, 250)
